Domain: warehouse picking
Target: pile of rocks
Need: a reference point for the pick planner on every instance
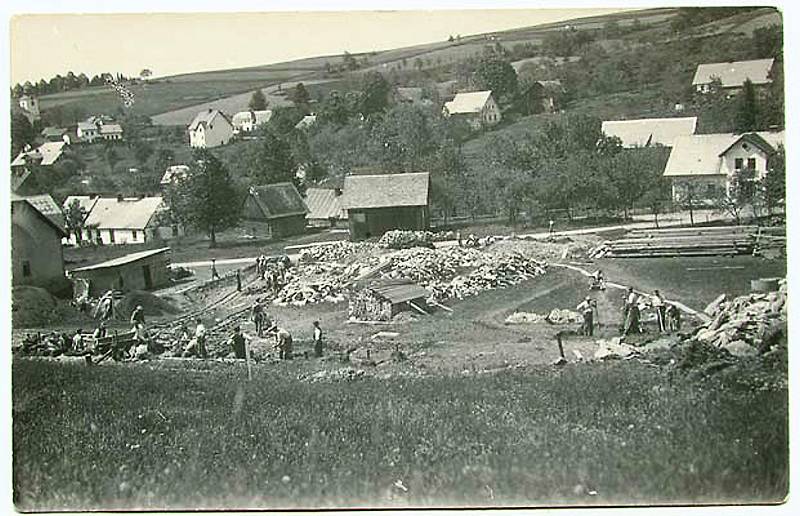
(556, 316)
(403, 239)
(425, 266)
(335, 252)
(509, 270)
(746, 324)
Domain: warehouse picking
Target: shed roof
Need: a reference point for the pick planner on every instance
(51, 131)
(701, 154)
(129, 213)
(733, 74)
(471, 102)
(123, 260)
(306, 122)
(323, 203)
(385, 190)
(398, 290)
(650, 131)
(173, 173)
(45, 206)
(278, 200)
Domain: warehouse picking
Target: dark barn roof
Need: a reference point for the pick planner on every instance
(278, 200)
(385, 190)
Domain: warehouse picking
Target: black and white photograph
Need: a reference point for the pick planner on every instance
(397, 258)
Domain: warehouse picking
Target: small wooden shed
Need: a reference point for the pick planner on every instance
(380, 300)
(144, 270)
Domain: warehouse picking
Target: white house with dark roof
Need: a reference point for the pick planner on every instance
(249, 121)
(478, 108)
(645, 132)
(210, 128)
(732, 75)
(701, 165)
(129, 220)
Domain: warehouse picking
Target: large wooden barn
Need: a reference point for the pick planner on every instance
(378, 203)
(274, 211)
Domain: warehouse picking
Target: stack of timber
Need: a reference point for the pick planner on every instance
(709, 241)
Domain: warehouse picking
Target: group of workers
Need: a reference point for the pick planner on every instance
(273, 273)
(668, 315)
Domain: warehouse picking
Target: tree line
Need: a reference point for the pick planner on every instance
(60, 83)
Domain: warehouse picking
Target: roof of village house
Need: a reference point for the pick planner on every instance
(129, 213)
(86, 202)
(51, 131)
(385, 190)
(87, 126)
(110, 129)
(278, 200)
(253, 117)
(398, 290)
(206, 118)
(49, 152)
(18, 178)
(701, 154)
(650, 131)
(45, 206)
(123, 260)
(173, 173)
(323, 203)
(471, 102)
(735, 73)
(306, 122)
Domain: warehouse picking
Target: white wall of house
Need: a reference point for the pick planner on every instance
(490, 114)
(743, 155)
(218, 132)
(703, 188)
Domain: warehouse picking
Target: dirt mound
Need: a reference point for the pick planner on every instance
(152, 304)
(35, 307)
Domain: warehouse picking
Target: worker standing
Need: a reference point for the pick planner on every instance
(284, 344)
(551, 227)
(137, 316)
(586, 309)
(214, 273)
(317, 340)
(238, 342)
(657, 302)
(200, 337)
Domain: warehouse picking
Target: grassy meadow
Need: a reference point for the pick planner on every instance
(201, 436)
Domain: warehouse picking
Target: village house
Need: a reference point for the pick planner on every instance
(378, 203)
(306, 122)
(98, 127)
(56, 134)
(44, 155)
(700, 166)
(646, 132)
(144, 270)
(249, 121)
(129, 220)
(478, 108)
(732, 75)
(29, 106)
(274, 211)
(209, 129)
(324, 208)
(37, 227)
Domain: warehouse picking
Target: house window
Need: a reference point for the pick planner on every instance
(111, 235)
(26, 269)
(751, 163)
(738, 163)
(134, 234)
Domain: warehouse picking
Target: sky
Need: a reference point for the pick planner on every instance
(43, 45)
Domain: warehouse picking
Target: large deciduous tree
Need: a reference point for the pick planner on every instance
(269, 160)
(496, 73)
(258, 102)
(74, 216)
(205, 198)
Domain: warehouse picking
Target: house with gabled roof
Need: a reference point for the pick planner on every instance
(732, 75)
(274, 211)
(700, 166)
(44, 155)
(129, 220)
(210, 128)
(478, 108)
(249, 121)
(377, 203)
(324, 208)
(37, 227)
(646, 132)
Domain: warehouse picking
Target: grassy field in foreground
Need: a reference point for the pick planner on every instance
(153, 436)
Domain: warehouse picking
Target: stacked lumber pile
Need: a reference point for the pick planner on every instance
(770, 242)
(745, 325)
(404, 239)
(711, 241)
